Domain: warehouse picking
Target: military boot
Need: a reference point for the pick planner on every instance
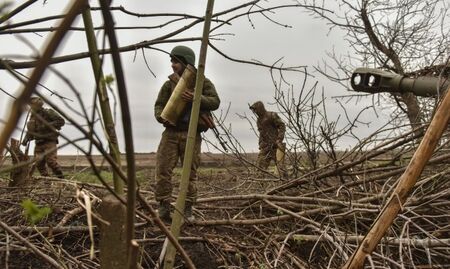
(164, 211)
(188, 211)
(58, 173)
(43, 172)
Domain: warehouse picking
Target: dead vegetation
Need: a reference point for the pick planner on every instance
(313, 221)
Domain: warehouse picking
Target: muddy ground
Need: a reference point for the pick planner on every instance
(146, 160)
(221, 176)
(242, 220)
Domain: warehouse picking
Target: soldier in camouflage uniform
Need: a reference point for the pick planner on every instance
(173, 141)
(43, 127)
(271, 135)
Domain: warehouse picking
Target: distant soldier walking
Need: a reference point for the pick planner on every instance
(173, 140)
(43, 126)
(271, 135)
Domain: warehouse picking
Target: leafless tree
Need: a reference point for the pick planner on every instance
(312, 220)
(402, 36)
(83, 116)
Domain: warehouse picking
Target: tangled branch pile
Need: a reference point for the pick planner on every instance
(318, 219)
(313, 221)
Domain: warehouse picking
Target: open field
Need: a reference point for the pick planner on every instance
(218, 176)
(143, 160)
(242, 220)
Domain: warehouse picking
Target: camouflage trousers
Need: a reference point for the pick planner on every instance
(170, 150)
(266, 155)
(46, 155)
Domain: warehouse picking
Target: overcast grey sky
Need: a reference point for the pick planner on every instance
(305, 44)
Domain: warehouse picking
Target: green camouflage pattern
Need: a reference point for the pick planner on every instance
(209, 102)
(43, 126)
(271, 135)
(170, 150)
(173, 141)
(270, 127)
(46, 155)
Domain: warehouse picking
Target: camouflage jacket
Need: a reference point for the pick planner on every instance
(43, 126)
(271, 129)
(209, 102)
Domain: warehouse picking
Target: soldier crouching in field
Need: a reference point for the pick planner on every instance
(43, 126)
(271, 135)
(174, 138)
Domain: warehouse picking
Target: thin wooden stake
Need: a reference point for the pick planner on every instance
(169, 260)
(107, 116)
(405, 184)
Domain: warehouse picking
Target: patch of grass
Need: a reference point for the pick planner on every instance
(4, 176)
(90, 177)
(33, 212)
(207, 170)
(201, 170)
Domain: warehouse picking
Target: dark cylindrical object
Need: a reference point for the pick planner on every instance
(373, 80)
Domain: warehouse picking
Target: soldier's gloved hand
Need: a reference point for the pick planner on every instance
(187, 96)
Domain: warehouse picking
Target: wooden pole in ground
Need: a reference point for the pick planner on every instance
(20, 173)
(113, 244)
(112, 241)
(107, 116)
(405, 184)
(169, 260)
(127, 126)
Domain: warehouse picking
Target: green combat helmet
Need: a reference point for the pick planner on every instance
(36, 101)
(183, 53)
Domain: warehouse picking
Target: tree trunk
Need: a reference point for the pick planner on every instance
(412, 109)
(169, 260)
(404, 187)
(20, 174)
(112, 244)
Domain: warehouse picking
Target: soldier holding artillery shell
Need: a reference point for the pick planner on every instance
(173, 109)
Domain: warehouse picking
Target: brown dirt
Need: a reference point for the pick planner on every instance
(61, 199)
(142, 160)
